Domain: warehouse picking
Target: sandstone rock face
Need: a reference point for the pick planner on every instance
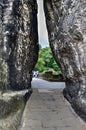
(19, 41)
(66, 24)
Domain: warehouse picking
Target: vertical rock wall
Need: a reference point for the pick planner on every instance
(3, 64)
(19, 41)
(66, 24)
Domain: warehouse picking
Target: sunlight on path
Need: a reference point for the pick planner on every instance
(39, 83)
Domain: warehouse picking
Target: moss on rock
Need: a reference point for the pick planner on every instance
(12, 106)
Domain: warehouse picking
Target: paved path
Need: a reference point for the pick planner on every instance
(48, 110)
(39, 83)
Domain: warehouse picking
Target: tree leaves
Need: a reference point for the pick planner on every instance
(46, 61)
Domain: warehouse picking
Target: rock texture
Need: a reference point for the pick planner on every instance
(11, 108)
(18, 55)
(3, 66)
(66, 24)
(18, 41)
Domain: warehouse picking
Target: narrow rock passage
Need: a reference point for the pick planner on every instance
(48, 110)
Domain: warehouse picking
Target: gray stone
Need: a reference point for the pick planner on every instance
(66, 24)
(60, 117)
(11, 108)
(18, 41)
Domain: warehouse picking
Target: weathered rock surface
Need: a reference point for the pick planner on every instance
(11, 108)
(18, 55)
(18, 41)
(3, 66)
(66, 24)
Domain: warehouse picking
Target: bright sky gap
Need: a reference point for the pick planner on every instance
(42, 30)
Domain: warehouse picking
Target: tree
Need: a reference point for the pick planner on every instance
(46, 61)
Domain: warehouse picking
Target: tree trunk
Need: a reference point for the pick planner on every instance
(66, 24)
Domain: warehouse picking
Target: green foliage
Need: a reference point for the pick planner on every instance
(46, 61)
